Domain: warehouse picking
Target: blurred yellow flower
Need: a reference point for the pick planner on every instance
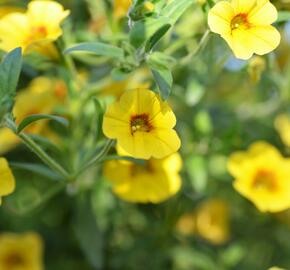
(276, 268)
(41, 96)
(121, 8)
(138, 79)
(34, 30)
(21, 251)
(7, 181)
(142, 124)
(282, 125)
(246, 26)
(154, 182)
(210, 221)
(263, 176)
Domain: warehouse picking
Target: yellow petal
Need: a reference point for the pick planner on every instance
(263, 39)
(243, 6)
(220, 16)
(264, 13)
(238, 42)
(7, 181)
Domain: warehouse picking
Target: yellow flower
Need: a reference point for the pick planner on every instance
(263, 176)
(276, 268)
(142, 124)
(41, 96)
(7, 181)
(282, 125)
(154, 182)
(34, 30)
(21, 252)
(121, 8)
(246, 26)
(210, 221)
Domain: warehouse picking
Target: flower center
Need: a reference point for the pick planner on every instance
(240, 21)
(141, 123)
(264, 180)
(14, 260)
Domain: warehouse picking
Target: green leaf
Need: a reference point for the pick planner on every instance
(9, 74)
(97, 48)
(283, 16)
(149, 29)
(88, 231)
(159, 65)
(35, 117)
(175, 9)
(35, 168)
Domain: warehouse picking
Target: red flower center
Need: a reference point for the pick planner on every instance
(240, 21)
(265, 180)
(140, 122)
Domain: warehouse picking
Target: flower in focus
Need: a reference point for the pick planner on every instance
(34, 30)
(121, 8)
(263, 176)
(246, 26)
(7, 181)
(142, 124)
(210, 221)
(41, 97)
(21, 251)
(154, 182)
(282, 125)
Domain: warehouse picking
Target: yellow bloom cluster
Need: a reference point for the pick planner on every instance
(34, 30)
(7, 181)
(41, 96)
(263, 176)
(246, 26)
(209, 221)
(21, 251)
(143, 125)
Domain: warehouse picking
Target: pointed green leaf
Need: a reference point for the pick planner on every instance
(35, 117)
(97, 48)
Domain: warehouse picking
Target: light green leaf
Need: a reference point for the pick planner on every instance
(35, 117)
(149, 29)
(283, 16)
(97, 48)
(175, 9)
(159, 65)
(9, 74)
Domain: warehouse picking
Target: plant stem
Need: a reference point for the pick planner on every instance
(98, 157)
(43, 156)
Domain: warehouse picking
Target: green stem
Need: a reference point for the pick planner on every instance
(43, 156)
(98, 157)
(187, 59)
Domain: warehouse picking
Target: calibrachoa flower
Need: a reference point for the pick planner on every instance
(210, 221)
(282, 125)
(263, 176)
(246, 26)
(41, 96)
(34, 30)
(153, 182)
(21, 252)
(142, 124)
(7, 181)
